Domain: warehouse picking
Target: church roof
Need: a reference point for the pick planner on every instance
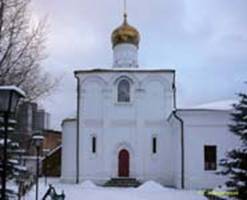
(216, 106)
(124, 70)
(71, 119)
(225, 105)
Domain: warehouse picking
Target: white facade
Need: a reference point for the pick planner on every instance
(127, 125)
(118, 126)
(133, 125)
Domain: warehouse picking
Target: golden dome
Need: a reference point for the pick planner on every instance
(125, 34)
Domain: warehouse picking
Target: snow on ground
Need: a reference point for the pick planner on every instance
(89, 191)
(151, 186)
(88, 184)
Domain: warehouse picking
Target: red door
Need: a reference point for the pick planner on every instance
(123, 163)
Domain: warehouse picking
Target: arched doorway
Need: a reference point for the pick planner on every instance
(123, 163)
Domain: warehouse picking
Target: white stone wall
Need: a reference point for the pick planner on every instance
(68, 169)
(130, 126)
(175, 152)
(204, 128)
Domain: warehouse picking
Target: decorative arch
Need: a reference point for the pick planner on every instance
(163, 81)
(93, 78)
(123, 145)
(124, 88)
(118, 76)
(91, 96)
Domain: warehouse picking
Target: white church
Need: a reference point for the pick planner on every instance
(127, 125)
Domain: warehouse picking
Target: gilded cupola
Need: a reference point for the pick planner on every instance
(125, 34)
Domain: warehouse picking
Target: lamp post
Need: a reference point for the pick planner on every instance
(9, 98)
(37, 141)
(45, 151)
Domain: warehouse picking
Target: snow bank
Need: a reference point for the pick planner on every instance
(148, 191)
(151, 186)
(88, 184)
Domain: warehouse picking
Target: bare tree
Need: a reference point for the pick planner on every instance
(22, 50)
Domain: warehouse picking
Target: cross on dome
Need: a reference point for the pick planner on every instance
(125, 33)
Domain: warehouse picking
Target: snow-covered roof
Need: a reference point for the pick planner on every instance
(14, 88)
(216, 105)
(31, 157)
(54, 150)
(124, 70)
(68, 120)
(72, 115)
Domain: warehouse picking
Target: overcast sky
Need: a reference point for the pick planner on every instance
(205, 41)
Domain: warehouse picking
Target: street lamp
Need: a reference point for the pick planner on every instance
(9, 98)
(46, 151)
(38, 142)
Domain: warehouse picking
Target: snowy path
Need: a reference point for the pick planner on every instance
(88, 191)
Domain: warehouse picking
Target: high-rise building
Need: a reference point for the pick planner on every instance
(30, 118)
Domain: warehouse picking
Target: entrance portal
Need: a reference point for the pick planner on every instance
(123, 163)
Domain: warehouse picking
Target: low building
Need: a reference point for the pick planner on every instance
(51, 163)
(52, 139)
(200, 139)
